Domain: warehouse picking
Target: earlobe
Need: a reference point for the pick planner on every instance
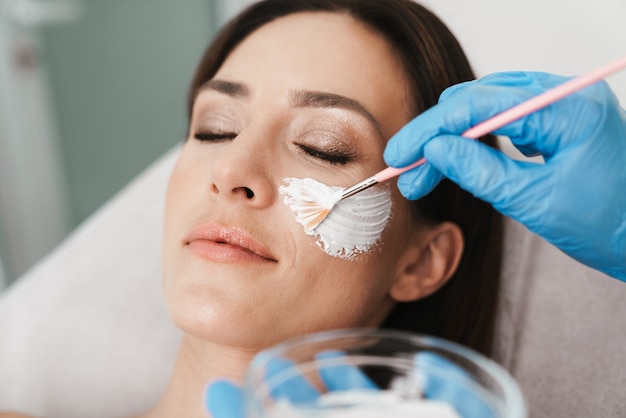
(428, 263)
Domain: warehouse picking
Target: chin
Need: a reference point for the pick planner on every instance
(218, 322)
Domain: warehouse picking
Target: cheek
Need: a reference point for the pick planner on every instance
(337, 293)
(353, 284)
(353, 226)
(184, 189)
(401, 223)
(179, 186)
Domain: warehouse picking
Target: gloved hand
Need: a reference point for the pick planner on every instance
(576, 200)
(225, 399)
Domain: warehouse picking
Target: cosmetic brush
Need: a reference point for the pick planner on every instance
(316, 210)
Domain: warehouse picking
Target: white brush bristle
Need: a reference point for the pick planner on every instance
(309, 201)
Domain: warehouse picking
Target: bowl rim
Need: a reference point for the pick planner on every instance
(515, 406)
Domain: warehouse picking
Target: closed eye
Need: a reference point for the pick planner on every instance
(335, 158)
(214, 136)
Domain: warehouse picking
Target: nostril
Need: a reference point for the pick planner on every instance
(249, 193)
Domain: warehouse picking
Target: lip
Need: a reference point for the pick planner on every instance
(226, 244)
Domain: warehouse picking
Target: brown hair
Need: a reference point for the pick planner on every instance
(464, 309)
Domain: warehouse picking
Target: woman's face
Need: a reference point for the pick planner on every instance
(311, 95)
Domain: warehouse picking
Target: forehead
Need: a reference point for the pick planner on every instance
(323, 51)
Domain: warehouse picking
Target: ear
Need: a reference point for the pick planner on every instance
(428, 262)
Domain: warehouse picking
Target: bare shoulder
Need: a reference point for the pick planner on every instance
(13, 415)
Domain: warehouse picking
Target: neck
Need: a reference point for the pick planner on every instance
(198, 364)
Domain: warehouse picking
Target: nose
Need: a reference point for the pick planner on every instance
(242, 172)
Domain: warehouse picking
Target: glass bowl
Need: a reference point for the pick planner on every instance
(372, 373)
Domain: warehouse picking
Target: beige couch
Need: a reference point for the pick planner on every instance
(85, 333)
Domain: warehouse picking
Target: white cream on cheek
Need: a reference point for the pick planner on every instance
(353, 226)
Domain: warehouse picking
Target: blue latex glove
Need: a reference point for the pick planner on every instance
(225, 399)
(576, 200)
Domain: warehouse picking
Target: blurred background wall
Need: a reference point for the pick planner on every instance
(92, 91)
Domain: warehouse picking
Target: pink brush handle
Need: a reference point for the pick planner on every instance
(531, 105)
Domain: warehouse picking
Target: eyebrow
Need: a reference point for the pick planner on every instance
(299, 98)
(229, 88)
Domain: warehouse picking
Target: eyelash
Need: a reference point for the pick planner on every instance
(337, 158)
(214, 136)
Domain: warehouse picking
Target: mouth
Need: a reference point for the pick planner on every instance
(226, 245)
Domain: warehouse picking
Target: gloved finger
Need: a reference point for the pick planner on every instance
(224, 399)
(534, 80)
(465, 109)
(474, 102)
(419, 182)
(552, 128)
(491, 176)
(337, 375)
(454, 89)
(502, 79)
(561, 124)
(426, 360)
(446, 382)
(285, 382)
(496, 93)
